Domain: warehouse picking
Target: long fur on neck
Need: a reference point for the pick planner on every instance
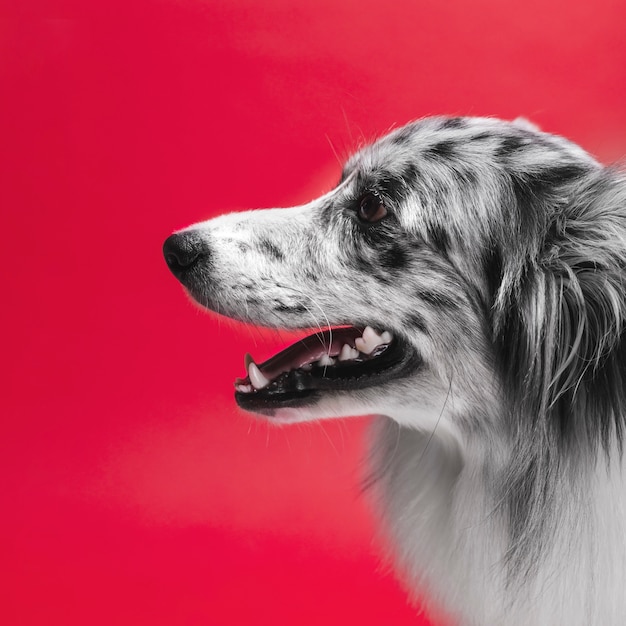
(558, 325)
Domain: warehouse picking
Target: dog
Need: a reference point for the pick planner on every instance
(467, 280)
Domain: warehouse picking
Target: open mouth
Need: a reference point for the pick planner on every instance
(343, 358)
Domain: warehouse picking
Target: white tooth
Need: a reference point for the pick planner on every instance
(347, 353)
(369, 342)
(325, 361)
(386, 337)
(371, 336)
(256, 377)
(344, 355)
(361, 345)
(244, 388)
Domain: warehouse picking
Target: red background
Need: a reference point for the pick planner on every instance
(132, 489)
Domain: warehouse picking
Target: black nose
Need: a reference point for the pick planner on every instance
(183, 251)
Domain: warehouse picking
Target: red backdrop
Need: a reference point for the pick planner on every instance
(132, 489)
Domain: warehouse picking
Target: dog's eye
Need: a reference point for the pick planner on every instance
(371, 208)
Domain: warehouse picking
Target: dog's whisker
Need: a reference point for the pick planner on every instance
(332, 147)
(321, 336)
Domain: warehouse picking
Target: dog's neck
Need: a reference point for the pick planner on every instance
(444, 502)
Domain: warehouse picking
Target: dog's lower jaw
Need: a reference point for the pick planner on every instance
(331, 405)
(434, 415)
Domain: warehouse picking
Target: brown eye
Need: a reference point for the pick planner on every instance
(371, 208)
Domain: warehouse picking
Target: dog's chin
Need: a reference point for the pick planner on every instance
(294, 385)
(290, 414)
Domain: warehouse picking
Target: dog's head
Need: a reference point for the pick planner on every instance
(468, 264)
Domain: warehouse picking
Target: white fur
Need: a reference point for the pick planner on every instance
(453, 440)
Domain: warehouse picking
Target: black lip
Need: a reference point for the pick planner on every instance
(299, 388)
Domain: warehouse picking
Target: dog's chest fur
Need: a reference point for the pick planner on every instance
(451, 540)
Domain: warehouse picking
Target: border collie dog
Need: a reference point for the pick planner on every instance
(467, 281)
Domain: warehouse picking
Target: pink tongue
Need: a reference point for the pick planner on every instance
(309, 350)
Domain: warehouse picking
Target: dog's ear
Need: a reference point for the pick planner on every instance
(560, 311)
(558, 329)
(526, 124)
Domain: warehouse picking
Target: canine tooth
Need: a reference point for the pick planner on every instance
(325, 361)
(256, 377)
(347, 353)
(386, 337)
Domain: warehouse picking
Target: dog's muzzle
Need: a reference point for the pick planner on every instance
(343, 358)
